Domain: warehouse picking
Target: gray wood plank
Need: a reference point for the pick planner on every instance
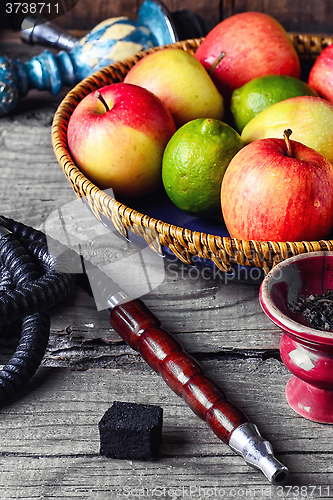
(50, 440)
(229, 318)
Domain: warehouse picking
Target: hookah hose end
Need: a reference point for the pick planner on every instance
(247, 441)
(29, 285)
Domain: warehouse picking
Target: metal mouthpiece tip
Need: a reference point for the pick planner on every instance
(274, 470)
(280, 476)
(257, 452)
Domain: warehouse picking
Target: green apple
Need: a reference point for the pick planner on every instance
(181, 82)
(260, 93)
(309, 118)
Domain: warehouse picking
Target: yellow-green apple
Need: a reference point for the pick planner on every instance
(245, 46)
(321, 74)
(117, 137)
(278, 190)
(181, 82)
(310, 119)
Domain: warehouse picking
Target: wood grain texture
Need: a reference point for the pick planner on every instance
(87, 14)
(210, 14)
(50, 440)
(26, 149)
(298, 16)
(302, 16)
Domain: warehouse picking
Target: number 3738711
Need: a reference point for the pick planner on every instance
(31, 8)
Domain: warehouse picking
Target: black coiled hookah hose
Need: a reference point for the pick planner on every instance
(30, 283)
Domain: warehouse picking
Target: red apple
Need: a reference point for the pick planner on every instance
(181, 82)
(321, 74)
(278, 190)
(117, 138)
(254, 44)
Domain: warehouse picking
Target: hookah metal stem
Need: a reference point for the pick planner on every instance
(38, 30)
(141, 330)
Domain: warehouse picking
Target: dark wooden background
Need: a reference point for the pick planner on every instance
(302, 16)
(295, 15)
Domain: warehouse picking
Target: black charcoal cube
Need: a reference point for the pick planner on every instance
(131, 431)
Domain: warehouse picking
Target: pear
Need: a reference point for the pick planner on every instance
(310, 119)
(181, 82)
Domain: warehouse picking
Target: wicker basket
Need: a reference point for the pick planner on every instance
(183, 242)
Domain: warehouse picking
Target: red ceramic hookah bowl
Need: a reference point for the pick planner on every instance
(305, 351)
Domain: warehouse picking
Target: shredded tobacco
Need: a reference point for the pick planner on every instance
(317, 310)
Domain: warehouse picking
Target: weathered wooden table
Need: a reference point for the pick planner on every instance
(49, 434)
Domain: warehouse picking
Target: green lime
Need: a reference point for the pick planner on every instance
(260, 93)
(194, 162)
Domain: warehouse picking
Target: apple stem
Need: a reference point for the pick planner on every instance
(219, 59)
(103, 101)
(286, 134)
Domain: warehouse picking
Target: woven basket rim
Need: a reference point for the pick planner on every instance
(222, 250)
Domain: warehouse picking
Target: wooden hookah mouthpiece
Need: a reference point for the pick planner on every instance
(141, 330)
